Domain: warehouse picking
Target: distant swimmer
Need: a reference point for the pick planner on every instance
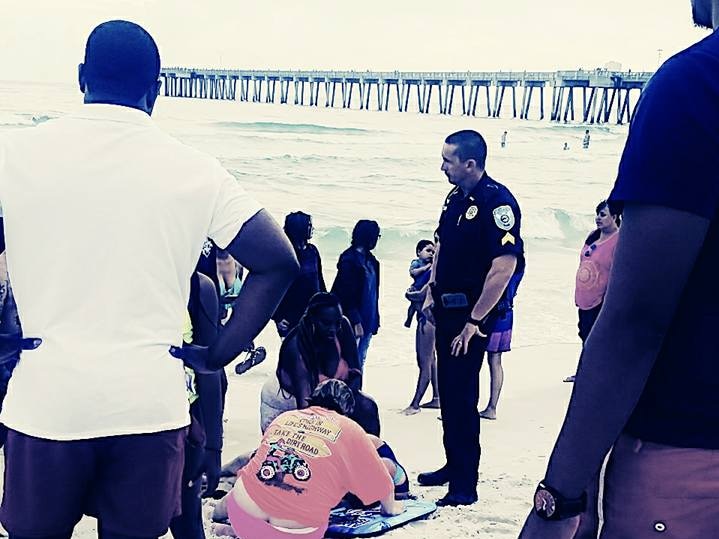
(585, 141)
(503, 142)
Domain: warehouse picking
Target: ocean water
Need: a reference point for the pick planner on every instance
(344, 165)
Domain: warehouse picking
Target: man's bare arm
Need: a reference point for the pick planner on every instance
(263, 248)
(656, 252)
(495, 283)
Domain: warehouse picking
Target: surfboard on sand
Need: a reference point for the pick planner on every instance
(346, 522)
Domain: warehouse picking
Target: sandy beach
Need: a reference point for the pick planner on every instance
(514, 448)
(329, 162)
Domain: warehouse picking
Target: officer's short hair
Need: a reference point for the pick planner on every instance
(470, 145)
(222, 254)
(121, 59)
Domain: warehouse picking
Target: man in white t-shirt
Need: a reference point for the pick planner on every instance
(97, 413)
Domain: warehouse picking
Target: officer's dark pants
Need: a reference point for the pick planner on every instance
(459, 397)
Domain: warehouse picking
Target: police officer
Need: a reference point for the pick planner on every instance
(478, 252)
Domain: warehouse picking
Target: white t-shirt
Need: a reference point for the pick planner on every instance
(105, 218)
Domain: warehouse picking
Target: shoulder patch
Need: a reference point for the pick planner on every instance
(503, 217)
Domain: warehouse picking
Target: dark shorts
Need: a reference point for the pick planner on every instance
(130, 483)
(586, 321)
(500, 341)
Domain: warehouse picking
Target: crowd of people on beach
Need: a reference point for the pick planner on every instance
(113, 396)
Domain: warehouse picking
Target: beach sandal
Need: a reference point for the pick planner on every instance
(254, 357)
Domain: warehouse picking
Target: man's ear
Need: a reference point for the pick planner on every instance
(81, 77)
(470, 164)
(151, 96)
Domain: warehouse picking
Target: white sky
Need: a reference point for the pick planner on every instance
(44, 39)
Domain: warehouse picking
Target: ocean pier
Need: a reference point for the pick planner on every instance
(595, 96)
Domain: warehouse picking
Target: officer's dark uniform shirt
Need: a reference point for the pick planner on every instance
(671, 159)
(473, 231)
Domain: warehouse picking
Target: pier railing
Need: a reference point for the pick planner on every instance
(605, 95)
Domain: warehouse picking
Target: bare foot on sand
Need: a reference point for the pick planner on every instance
(411, 410)
(434, 403)
(488, 413)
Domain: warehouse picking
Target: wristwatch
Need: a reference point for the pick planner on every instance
(479, 323)
(549, 504)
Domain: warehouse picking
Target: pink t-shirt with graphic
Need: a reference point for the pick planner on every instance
(595, 263)
(308, 460)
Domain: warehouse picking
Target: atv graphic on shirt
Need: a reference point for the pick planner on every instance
(280, 462)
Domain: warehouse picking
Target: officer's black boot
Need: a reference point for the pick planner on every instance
(434, 479)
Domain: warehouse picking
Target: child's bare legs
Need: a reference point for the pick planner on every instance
(410, 314)
(434, 403)
(427, 363)
(496, 373)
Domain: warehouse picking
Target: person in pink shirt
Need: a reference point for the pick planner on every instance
(595, 263)
(307, 462)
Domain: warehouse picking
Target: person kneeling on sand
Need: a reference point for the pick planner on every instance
(322, 346)
(305, 464)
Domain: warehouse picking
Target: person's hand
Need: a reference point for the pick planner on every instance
(283, 326)
(538, 528)
(395, 507)
(195, 357)
(460, 343)
(211, 466)
(359, 330)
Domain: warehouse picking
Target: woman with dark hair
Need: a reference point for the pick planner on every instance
(321, 347)
(595, 264)
(298, 227)
(357, 284)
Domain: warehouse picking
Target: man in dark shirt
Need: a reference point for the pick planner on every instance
(652, 348)
(478, 252)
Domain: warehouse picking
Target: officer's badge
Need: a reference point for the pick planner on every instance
(206, 248)
(472, 212)
(503, 217)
